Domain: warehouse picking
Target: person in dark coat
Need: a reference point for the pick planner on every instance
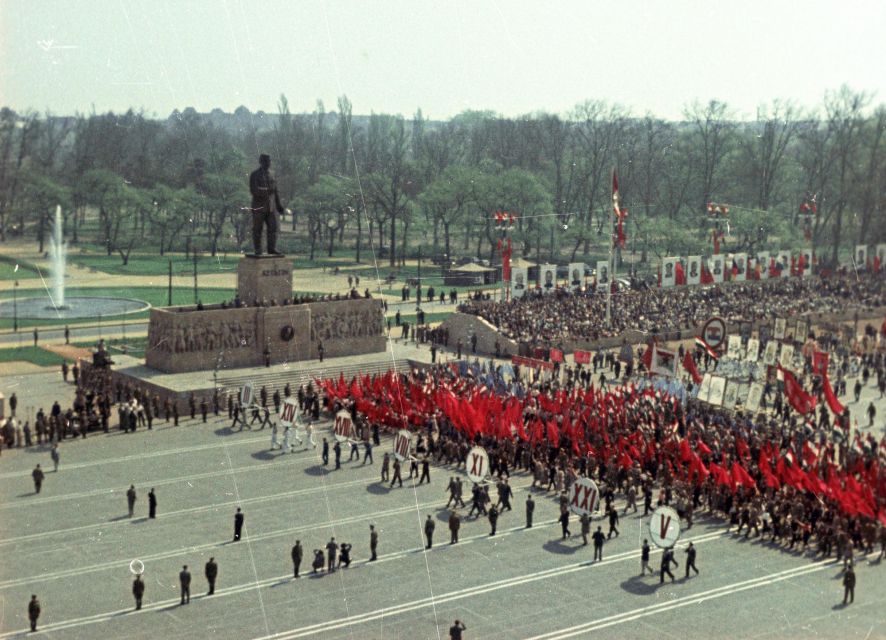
(238, 524)
(599, 538)
(33, 612)
(138, 590)
(152, 504)
(667, 557)
(325, 452)
(429, 531)
(849, 584)
(184, 579)
(373, 542)
(564, 524)
(454, 526)
(331, 553)
(493, 519)
(297, 554)
(211, 571)
(130, 498)
(530, 509)
(690, 559)
(37, 474)
(337, 450)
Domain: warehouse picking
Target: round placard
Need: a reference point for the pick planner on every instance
(664, 527)
(714, 332)
(477, 465)
(584, 497)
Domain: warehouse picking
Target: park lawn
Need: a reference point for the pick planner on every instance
(155, 265)
(8, 270)
(133, 346)
(35, 355)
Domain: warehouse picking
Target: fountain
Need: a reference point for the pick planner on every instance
(59, 251)
(55, 305)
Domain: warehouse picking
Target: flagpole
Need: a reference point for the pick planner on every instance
(611, 270)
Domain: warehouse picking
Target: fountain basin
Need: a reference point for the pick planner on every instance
(75, 307)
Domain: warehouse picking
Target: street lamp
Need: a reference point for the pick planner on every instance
(15, 306)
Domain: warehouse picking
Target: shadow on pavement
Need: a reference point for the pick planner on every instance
(378, 488)
(316, 470)
(560, 546)
(265, 455)
(640, 587)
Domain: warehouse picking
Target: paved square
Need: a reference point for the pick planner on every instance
(72, 545)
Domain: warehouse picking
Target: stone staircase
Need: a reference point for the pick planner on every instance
(297, 376)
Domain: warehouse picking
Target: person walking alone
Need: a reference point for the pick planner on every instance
(690, 559)
(429, 531)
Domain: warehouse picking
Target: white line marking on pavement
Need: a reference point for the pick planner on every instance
(370, 615)
(718, 592)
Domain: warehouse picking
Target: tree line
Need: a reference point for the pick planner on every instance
(383, 185)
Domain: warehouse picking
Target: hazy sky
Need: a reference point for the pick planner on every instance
(445, 57)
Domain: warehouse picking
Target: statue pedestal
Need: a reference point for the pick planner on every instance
(264, 278)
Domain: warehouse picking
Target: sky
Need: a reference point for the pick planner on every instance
(445, 57)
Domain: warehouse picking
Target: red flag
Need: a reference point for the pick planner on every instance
(700, 342)
(680, 273)
(741, 477)
(685, 451)
(701, 446)
(620, 214)
(833, 403)
(801, 401)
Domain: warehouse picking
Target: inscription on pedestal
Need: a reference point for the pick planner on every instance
(263, 279)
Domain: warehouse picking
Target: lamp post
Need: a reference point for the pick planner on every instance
(15, 306)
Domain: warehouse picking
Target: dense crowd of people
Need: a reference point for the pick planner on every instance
(801, 483)
(548, 318)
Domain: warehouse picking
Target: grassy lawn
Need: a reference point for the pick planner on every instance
(35, 355)
(134, 346)
(8, 271)
(155, 265)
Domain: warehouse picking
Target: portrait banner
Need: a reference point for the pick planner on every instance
(753, 351)
(548, 278)
(718, 389)
(739, 267)
(669, 272)
(715, 265)
(602, 275)
(861, 256)
(576, 275)
(763, 263)
(519, 278)
(693, 270)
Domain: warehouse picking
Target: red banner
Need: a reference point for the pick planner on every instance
(582, 357)
(689, 365)
(531, 362)
(556, 355)
(801, 401)
(836, 407)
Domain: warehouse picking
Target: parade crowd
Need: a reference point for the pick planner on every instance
(541, 318)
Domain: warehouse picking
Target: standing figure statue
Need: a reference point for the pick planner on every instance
(265, 205)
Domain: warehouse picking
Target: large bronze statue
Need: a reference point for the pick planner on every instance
(265, 205)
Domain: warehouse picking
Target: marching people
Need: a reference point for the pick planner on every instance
(667, 558)
(644, 559)
(585, 528)
(385, 467)
(690, 559)
(397, 477)
(564, 523)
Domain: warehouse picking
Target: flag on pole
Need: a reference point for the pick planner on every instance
(620, 214)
